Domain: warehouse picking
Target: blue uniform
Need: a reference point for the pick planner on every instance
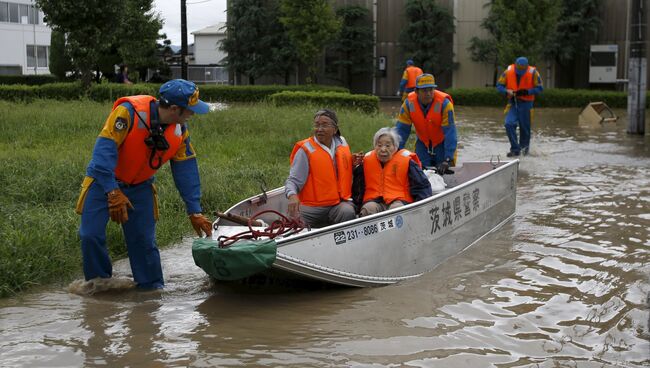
(140, 229)
(519, 113)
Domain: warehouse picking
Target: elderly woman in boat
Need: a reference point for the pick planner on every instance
(319, 186)
(387, 178)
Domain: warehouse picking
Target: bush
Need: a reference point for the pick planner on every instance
(19, 92)
(113, 91)
(553, 97)
(61, 91)
(364, 103)
(30, 80)
(226, 93)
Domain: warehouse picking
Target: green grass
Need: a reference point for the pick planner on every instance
(45, 147)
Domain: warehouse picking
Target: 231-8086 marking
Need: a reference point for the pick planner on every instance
(362, 231)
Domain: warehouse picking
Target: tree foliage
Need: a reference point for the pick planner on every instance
(353, 47)
(60, 62)
(540, 29)
(577, 25)
(428, 35)
(256, 42)
(94, 29)
(310, 25)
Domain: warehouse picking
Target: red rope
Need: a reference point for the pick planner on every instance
(282, 226)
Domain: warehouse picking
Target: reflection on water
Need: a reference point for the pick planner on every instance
(564, 284)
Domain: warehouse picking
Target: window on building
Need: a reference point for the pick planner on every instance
(37, 56)
(4, 11)
(41, 56)
(13, 13)
(19, 13)
(22, 8)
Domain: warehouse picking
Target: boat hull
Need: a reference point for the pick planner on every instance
(402, 243)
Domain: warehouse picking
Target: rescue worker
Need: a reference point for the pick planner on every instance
(319, 186)
(139, 136)
(520, 83)
(388, 178)
(432, 114)
(407, 84)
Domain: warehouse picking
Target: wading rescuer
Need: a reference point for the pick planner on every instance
(407, 84)
(520, 82)
(432, 114)
(139, 136)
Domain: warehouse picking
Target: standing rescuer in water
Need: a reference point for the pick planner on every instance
(520, 83)
(139, 136)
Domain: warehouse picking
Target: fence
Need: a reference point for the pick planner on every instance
(199, 74)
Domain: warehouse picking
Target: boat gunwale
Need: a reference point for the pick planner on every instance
(328, 229)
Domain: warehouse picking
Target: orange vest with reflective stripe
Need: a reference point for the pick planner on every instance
(133, 155)
(428, 128)
(325, 185)
(526, 81)
(390, 181)
(413, 73)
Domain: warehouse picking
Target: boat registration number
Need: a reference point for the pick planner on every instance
(366, 230)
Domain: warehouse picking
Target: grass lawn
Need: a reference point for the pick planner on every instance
(45, 147)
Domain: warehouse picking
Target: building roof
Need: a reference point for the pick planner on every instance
(219, 28)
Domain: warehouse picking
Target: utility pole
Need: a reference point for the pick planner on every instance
(637, 69)
(183, 40)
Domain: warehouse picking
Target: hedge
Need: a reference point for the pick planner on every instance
(30, 80)
(112, 91)
(364, 103)
(552, 97)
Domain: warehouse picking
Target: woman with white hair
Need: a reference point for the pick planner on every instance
(388, 178)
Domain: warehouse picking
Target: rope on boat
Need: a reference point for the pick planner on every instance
(282, 226)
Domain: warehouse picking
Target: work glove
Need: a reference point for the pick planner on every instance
(201, 224)
(522, 92)
(443, 167)
(398, 93)
(118, 206)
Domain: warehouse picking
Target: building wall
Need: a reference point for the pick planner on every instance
(469, 14)
(14, 38)
(206, 49)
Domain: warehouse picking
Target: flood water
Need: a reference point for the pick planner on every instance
(564, 284)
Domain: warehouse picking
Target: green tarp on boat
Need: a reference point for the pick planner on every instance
(242, 259)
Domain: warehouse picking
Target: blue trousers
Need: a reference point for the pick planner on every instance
(426, 158)
(519, 116)
(139, 234)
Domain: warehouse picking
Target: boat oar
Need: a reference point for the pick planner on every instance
(242, 220)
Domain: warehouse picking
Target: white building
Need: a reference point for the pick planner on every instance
(24, 38)
(206, 45)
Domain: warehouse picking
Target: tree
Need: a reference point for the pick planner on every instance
(523, 27)
(138, 18)
(428, 35)
(577, 25)
(246, 26)
(256, 42)
(60, 62)
(310, 26)
(94, 29)
(87, 26)
(353, 47)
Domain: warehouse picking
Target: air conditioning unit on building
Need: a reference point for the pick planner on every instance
(603, 60)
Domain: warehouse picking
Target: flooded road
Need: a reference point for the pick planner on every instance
(565, 283)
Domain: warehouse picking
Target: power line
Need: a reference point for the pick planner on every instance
(199, 2)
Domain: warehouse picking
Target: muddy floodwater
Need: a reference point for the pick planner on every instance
(563, 284)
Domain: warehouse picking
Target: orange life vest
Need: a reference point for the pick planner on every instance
(391, 181)
(429, 128)
(133, 155)
(413, 73)
(324, 185)
(526, 81)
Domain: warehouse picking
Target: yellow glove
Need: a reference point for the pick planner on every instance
(201, 224)
(118, 206)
